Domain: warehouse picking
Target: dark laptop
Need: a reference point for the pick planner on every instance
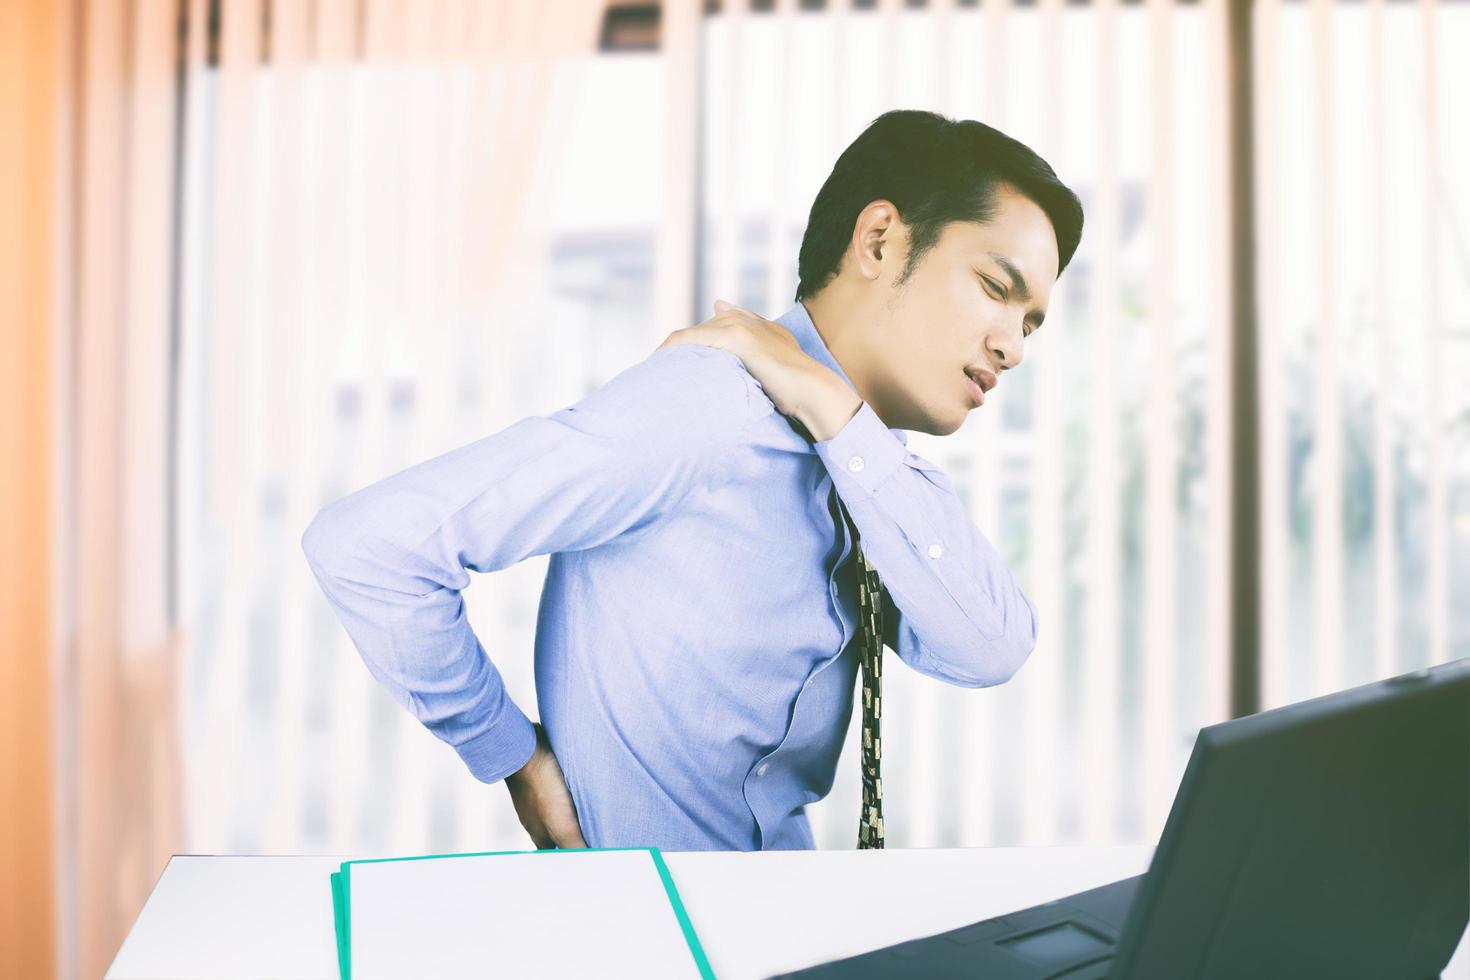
(1328, 838)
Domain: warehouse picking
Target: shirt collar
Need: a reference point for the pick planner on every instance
(799, 322)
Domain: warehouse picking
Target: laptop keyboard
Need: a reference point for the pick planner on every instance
(1071, 938)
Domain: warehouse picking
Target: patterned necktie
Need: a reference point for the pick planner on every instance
(870, 616)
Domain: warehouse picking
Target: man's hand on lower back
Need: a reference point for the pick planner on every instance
(542, 801)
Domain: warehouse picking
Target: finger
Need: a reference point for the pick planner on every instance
(568, 833)
(721, 306)
(541, 837)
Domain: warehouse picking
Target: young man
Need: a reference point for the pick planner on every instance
(698, 638)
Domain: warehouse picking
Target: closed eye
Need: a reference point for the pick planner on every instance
(992, 285)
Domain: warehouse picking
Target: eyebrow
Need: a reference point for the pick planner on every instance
(1018, 284)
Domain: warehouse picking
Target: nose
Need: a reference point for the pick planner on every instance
(1005, 345)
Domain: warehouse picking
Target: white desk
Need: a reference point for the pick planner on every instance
(757, 913)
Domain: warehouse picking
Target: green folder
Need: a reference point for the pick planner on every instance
(342, 899)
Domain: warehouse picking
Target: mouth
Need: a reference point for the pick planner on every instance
(979, 381)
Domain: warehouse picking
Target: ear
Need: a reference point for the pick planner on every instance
(874, 239)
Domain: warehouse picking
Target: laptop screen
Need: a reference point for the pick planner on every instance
(1323, 838)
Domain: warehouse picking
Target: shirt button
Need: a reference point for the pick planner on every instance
(761, 769)
(935, 550)
(855, 464)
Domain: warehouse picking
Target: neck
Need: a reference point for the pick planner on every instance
(836, 323)
(851, 327)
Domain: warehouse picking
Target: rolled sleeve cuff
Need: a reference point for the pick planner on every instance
(863, 454)
(503, 750)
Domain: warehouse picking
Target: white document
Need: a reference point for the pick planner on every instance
(553, 913)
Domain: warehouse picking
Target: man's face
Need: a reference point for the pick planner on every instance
(966, 307)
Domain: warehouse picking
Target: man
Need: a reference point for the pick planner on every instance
(698, 638)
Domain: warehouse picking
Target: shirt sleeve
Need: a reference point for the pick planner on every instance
(954, 611)
(394, 557)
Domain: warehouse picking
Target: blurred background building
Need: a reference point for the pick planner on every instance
(260, 253)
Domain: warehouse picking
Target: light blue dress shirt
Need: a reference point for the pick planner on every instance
(697, 639)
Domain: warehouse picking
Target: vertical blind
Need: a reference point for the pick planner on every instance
(406, 225)
(1100, 472)
(1365, 318)
(314, 243)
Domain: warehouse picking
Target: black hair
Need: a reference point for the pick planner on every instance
(935, 170)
